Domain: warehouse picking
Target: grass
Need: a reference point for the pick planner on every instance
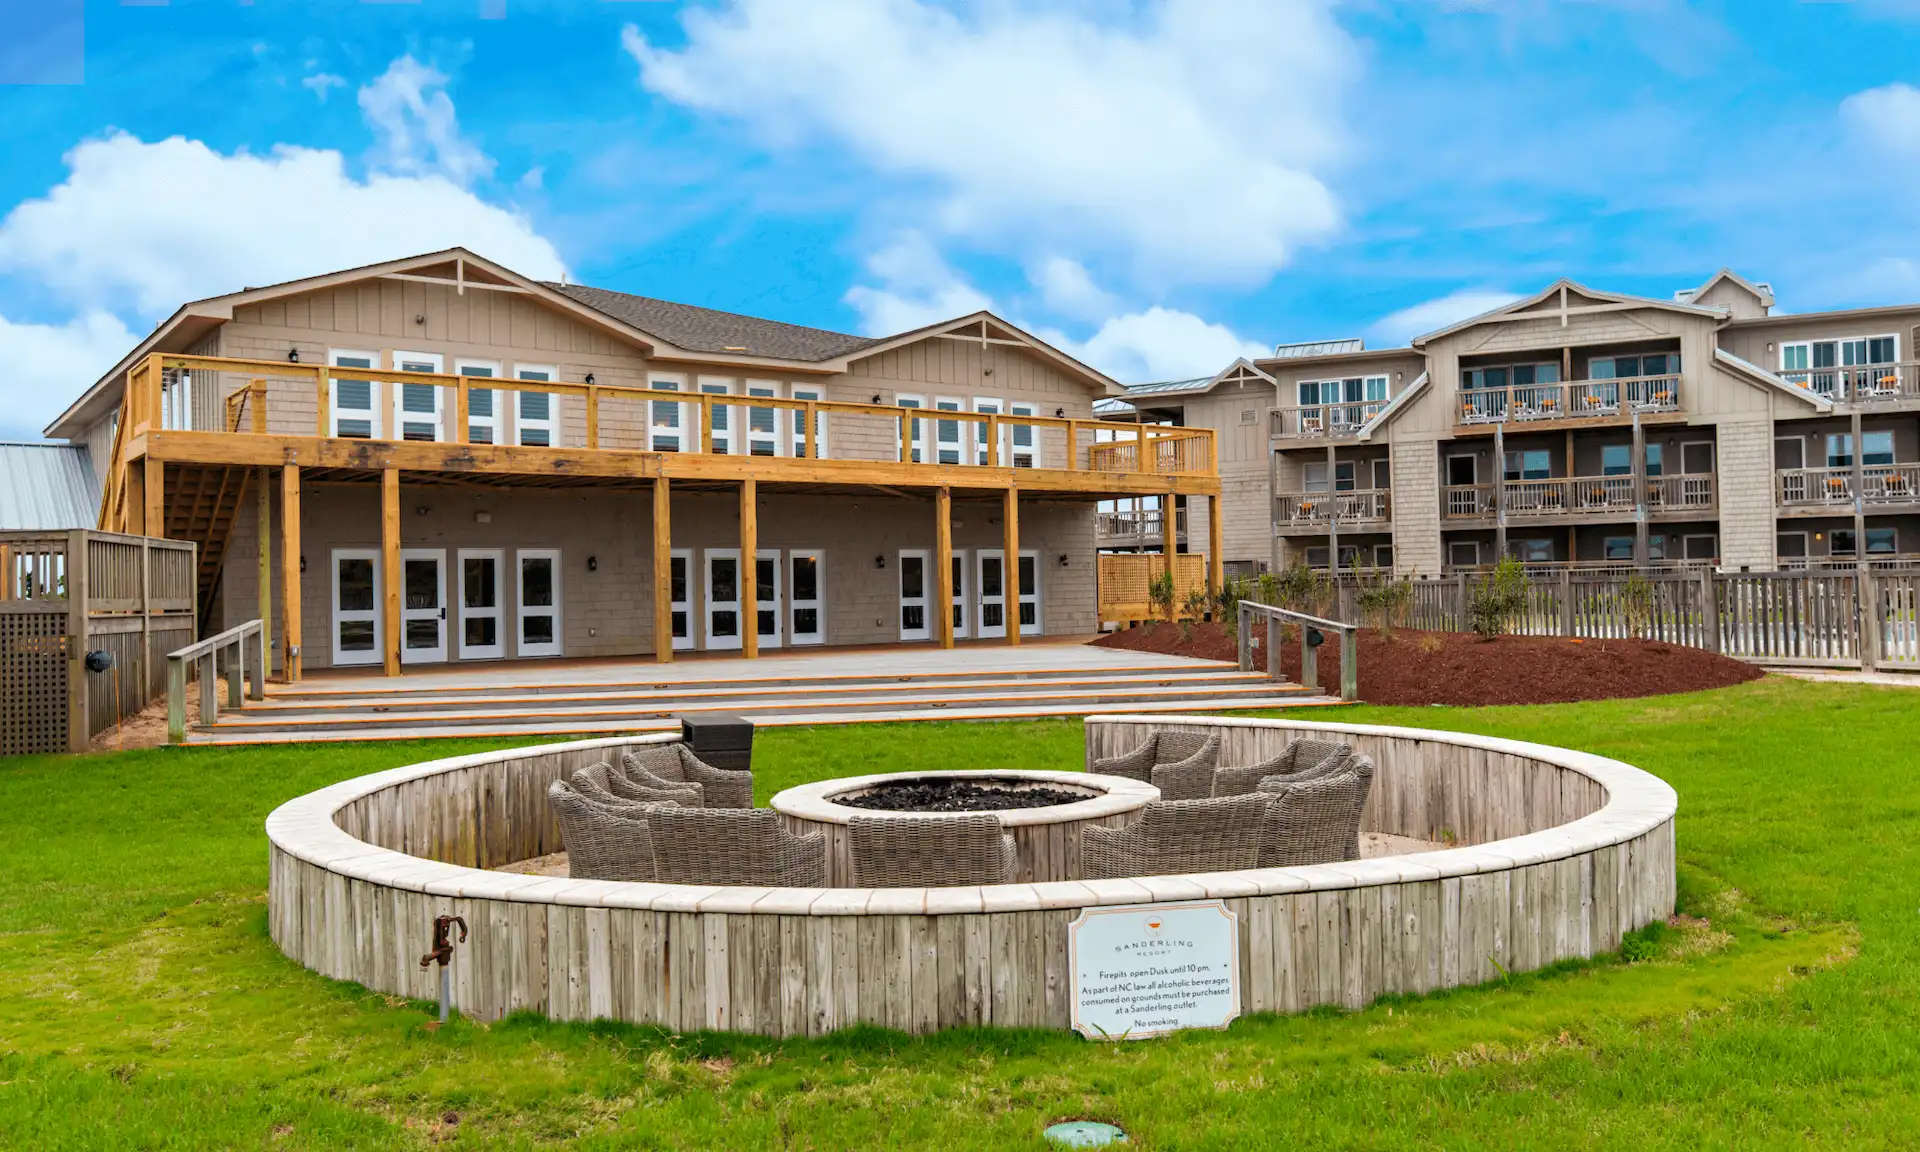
(142, 1005)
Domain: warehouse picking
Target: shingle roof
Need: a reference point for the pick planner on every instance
(709, 330)
(1319, 348)
(47, 487)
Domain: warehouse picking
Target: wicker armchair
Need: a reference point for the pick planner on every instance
(636, 783)
(1315, 821)
(735, 846)
(930, 851)
(1176, 837)
(603, 842)
(725, 787)
(1301, 756)
(1162, 748)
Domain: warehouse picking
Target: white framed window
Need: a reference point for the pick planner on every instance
(1023, 440)
(962, 592)
(352, 410)
(768, 596)
(668, 427)
(991, 571)
(724, 425)
(948, 434)
(723, 598)
(763, 424)
(987, 406)
(680, 604)
(914, 432)
(423, 605)
(537, 587)
(418, 405)
(797, 421)
(536, 415)
(483, 404)
(1790, 545)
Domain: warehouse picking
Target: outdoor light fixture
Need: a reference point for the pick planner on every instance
(421, 510)
(593, 563)
(293, 355)
(876, 397)
(879, 561)
(1315, 638)
(589, 377)
(303, 564)
(1059, 413)
(99, 660)
(1063, 559)
(420, 318)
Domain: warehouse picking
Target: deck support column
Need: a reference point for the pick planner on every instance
(153, 518)
(1333, 514)
(290, 571)
(263, 534)
(1499, 492)
(750, 569)
(1641, 552)
(663, 572)
(1010, 571)
(390, 567)
(1857, 484)
(1216, 557)
(943, 564)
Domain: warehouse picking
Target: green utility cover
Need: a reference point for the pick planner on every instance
(1085, 1134)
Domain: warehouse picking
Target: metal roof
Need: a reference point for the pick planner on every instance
(1118, 404)
(47, 487)
(1319, 348)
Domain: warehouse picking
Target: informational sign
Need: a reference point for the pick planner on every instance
(1149, 969)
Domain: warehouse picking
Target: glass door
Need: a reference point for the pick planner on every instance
(418, 404)
(356, 606)
(993, 592)
(960, 599)
(423, 605)
(539, 602)
(680, 572)
(766, 596)
(1029, 593)
(916, 580)
(806, 606)
(482, 636)
(723, 598)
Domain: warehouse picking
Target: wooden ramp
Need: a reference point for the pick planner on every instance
(822, 687)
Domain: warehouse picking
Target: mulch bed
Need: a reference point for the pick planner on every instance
(1460, 668)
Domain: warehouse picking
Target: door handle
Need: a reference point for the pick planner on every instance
(443, 613)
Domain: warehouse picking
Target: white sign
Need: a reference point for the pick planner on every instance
(1149, 969)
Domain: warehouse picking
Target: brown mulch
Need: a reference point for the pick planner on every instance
(1460, 668)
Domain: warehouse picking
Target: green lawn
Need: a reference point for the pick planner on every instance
(142, 1005)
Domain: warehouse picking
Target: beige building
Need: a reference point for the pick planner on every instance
(439, 460)
(1577, 427)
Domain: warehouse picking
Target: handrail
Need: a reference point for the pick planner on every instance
(1309, 659)
(206, 655)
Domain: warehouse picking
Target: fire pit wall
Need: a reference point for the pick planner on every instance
(1561, 853)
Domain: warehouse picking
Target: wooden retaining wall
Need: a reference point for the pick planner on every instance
(1562, 853)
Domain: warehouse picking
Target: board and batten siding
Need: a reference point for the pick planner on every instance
(1563, 853)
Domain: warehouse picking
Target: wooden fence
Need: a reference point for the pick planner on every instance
(1126, 576)
(127, 600)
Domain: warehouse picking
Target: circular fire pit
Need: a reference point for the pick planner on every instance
(1042, 811)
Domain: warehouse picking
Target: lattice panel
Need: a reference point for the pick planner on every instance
(33, 682)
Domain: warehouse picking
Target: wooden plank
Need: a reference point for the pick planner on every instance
(943, 564)
(290, 658)
(749, 569)
(1010, 571)
(390, 568)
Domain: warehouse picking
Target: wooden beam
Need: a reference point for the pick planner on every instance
(1216, 557)
(390, 567)
(663, 571)
(459, 285)
(263, 534)
(290, 571)
(943, 563)
(1011, 572)
(154, 517)
(750, 569)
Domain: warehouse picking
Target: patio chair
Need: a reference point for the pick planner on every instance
(1294, 761)
(636, 783)
(929, 851)
(1161, 748)
(603, 842)
(1315, 821)
(1175, 837)
(735, 846)
(596, 783)
(676, 763)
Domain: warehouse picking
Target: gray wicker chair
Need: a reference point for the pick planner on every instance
(603, 842)
(1298, 759)
(1163, 748)
(636, 783)
(1315, 821)
(725, 787)
(735, 846)
(1174, 837)
(930, 851)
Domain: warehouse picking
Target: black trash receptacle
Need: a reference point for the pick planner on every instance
(722, 741)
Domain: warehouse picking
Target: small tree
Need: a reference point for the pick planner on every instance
(1502, 595)
(1160, 594)
(1193, 609)
(1636, 604)
(1386, 602)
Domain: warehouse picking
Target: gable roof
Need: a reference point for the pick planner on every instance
(697, 329)
(1754, 374)
(1319, 348)
(47, 487)
(1393, 407)
(1527, 308)
(1762, 291)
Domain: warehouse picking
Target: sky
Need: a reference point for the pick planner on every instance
(1157, 186)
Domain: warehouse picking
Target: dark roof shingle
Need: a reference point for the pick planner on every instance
(709, 330)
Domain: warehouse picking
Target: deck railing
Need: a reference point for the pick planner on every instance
(1580, 495)
(1144, 526)
(1861, 384)
(1816, 487)
(1572, 400)
(1361, 506)
(306, 399)
(1323, 421)
(242, 649)
(1313, 630)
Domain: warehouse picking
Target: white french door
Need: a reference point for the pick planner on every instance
(482, 622)
(947, 434)
(723, 598)
(423, 605)
(356, 606)
(680, 607)
(991, 565)
(807, 596)
(418, 405)
(537, 596)
(962, 618)
(351, 411)
(1029, 585)
(766, 596)
(916, 593)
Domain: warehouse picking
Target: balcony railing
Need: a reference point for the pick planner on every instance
(1817, 487)
(1324, 421)
(1577, 495)
(1136, 529)
(1863, 384)
(1574, 400)
(1361, 506)
(1592, 567)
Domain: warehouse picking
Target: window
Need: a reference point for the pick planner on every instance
(1882, 541)
(1315, 476)
(1022, 440)
(1530, 464)
(533, 417)
(1841, 542)
(1462, 470)
(1317, 557)
(1696, 457)
(667, 420)
(416, 408)
(1840, 450)
(1789, 452)
(1790, 545)
(799, 421)
(1616, 460)
(722, 424)
(483, 420)
(946, 433)
(1701, 547)
(1383, 555)
(1656, 547)
(1653, 459)
(915, 428)
(1518, 375)
(350, 401)
(1349, 555)
(986, 406)
(1634, 367)
(1876, 448)
(1463, 553)
(1383, 473)
(1533, 551)
(1352, 390)
(1619, 547)
(1852, 352)
(763, 424)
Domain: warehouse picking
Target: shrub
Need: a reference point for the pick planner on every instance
(1386, 603)
(1192, 610)
(1160, 593)
(1226, 605)
(1636, 604)
(1502, 595)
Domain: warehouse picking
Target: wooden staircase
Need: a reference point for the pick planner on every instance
(202, 502)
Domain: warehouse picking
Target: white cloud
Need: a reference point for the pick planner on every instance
(916, 288)
(1404, 325)
(320, 83)
(415, 125)
(50, 364)
(1888, 118)
(152, 225)
(1066, 288)
(1158, 344)
(1190, 137)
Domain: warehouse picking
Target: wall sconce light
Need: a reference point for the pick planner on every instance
(879, 561)
(986, 371)
(876, 397)
(593, 563)
(1817, 537)
(293, 355)
(589, 377)
(1059, 413)
(1063, 560)
(483, 517)
(421, 510)
(420, 318)
(303, 564)
(1769, 346)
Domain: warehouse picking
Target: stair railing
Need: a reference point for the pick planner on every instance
(242, 658)
(1313, 630)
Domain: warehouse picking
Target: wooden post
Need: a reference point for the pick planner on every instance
(1867, 598)
(176, 702)
(1350, 664)
(77, 596)
(663, 572)
(1857, 486)
(146, 620)
(1709, 612)
(1216, 551)
(257, 393)
(390, 567)
(1499, 491)
(154, 516)
(1566, 602)
(943, 563)
(322, 401)
(257, 670)
(290, 571)
(1275, 670)
(1073, 445)
(809, 429)
(593, 416)
(1640, 557)
(750, 569)
(156, 391)
(706, 423)
(263, 533)
(462, 398)
(1011, 569)
(1140, 447)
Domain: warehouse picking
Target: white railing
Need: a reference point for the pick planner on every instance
(1368, 505)
(1834, 487)
(1580, 494)
(1324, 421)
(243, 658)
(1574, 400)
(1861, 384)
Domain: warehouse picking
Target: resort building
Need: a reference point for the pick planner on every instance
(1575, 427)
(439, 460)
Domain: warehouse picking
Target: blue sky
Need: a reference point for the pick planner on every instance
(1158, 186)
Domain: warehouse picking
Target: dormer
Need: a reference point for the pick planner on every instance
(1727, 290)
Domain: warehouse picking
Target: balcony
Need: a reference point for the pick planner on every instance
(1595, 496)
(1833, 488)
(1323, 421)
(1866, 385)
(1145, 528)
(1573, 400)
(1309, 510)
